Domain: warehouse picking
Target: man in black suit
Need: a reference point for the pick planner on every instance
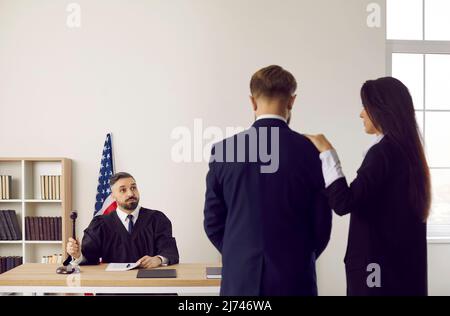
(264, 206)
(131, 233)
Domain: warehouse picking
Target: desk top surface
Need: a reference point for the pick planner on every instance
(37, 274)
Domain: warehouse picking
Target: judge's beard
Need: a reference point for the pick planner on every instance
(130, 206)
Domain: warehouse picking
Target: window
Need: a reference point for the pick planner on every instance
(418, 53)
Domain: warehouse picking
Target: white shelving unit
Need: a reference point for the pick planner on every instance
(26, 201)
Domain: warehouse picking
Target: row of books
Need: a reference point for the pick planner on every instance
(5, 187)
(9, 226)
(8, 263)
(52, 259)
(43, 228)
(50, 187)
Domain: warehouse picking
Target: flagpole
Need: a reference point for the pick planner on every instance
(113, 153)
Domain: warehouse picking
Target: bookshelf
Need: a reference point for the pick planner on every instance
(26, 201)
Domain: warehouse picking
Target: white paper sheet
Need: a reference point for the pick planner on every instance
(121, 266)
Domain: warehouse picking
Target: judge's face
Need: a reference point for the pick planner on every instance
(126, 194)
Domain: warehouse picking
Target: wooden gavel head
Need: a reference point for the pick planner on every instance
(73, 215)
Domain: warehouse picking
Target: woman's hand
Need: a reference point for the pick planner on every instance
(320, 141)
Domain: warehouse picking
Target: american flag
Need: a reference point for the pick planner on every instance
(104, 203)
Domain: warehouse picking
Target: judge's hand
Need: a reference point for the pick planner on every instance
(320, 141)
(73, 248)
(148, 262)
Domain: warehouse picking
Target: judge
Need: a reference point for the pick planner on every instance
(129, 234)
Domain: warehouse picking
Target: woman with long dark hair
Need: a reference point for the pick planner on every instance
(389, 200)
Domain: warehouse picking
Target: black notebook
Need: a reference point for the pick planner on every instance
(165, 273)
(213, 272)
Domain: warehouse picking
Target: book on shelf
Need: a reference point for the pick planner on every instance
(50, 228)
(8, 263)
(9, 226)
(55, 196)
(50, 187)
(43, 228)
(41, 178)
(5, 187)
(46, 197)
(14, 224)
(3, 228)
(39, 228)
(60, 228)
(6, 225)
(8, 187)
(2, 187)
(58, 187)
(27, 228)
(54, 188)
(30, 221)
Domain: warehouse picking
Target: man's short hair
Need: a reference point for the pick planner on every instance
(119, 175)
(273, 82)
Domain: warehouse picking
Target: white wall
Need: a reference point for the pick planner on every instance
(139, 69)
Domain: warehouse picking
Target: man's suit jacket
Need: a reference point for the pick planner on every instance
(384, 228)
(269, 227)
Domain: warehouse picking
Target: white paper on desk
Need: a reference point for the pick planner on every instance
(121, 266)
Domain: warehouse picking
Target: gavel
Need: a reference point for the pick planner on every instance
(65, 269)
(73, 217)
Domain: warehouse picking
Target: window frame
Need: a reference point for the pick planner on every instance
(435, 233)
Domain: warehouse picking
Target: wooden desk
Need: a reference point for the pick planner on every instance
(42, 278)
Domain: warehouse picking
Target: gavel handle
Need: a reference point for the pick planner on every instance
(73, 230)
(69, 258)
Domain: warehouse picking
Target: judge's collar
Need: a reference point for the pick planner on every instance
(123, 215)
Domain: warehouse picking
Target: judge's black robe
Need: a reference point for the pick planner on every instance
(107, 238)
